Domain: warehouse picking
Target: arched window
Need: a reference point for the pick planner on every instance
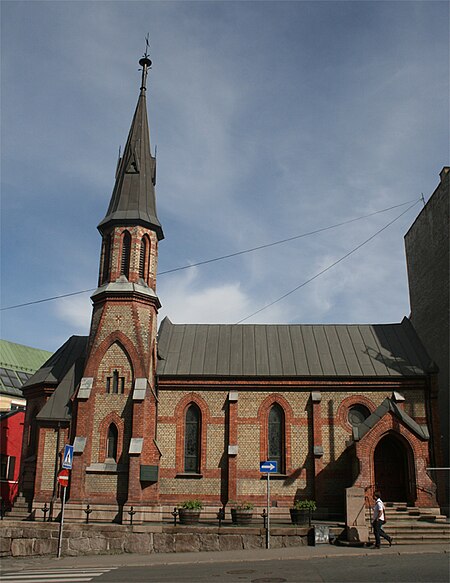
(126, 253)
(143, 257)
(276, 436)
(111, 444)
(107, 241)
(192, 439)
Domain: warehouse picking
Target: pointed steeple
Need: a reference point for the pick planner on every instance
(133, 199)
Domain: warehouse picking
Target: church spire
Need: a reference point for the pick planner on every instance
(133, 199)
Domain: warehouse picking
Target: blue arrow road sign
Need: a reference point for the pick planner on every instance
(268, 467)
(68, 457)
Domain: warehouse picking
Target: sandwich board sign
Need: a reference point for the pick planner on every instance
(68, 457)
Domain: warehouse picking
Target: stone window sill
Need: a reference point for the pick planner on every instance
(107, 468)
(189, 476)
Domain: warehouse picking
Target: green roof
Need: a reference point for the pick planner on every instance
(20, 357)
(17, 364)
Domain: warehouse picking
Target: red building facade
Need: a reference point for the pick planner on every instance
(11, 430)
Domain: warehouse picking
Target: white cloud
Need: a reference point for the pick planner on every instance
(76, 312)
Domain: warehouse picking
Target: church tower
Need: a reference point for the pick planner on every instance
(116, 458)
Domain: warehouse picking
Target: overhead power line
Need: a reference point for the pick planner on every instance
(222, 257)
(326, 268)
(321, 230)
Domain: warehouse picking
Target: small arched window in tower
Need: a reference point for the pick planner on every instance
(192, 440)
(126, 254)
(276, 436)
(111, 442)
(143, 257)
(106, 265)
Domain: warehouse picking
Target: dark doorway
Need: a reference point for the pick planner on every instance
(391, 470)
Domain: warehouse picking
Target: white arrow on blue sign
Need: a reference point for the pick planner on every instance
(68, 457)
(270, 467)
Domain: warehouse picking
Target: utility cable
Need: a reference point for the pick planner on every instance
(283, 240)
(206, 261)
(327, 268)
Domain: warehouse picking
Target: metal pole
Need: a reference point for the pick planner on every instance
(268, 512)
(61, 524)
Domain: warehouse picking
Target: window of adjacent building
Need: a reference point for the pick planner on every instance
(192, 439)
(115, 384)
(126, 254)
(276, 436)
(357, 414)
(10, 378)
(7, 465)
(111, 443)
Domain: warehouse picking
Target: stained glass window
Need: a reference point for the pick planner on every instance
(192, 440)
(276, 436)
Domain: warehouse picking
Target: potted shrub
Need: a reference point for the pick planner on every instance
(242, 513)
(301, 512)
(189, 511)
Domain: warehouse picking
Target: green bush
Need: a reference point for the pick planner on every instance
(305, 505)
(192, 504)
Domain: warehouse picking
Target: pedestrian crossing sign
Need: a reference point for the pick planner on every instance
(68, 457)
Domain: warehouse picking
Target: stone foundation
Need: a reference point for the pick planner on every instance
(21, 539)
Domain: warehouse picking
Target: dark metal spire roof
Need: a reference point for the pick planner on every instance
(133, 198)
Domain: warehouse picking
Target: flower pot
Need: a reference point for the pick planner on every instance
(189, 515)
(301, 517)
(241, 516)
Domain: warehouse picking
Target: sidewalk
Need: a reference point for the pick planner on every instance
(293, 553)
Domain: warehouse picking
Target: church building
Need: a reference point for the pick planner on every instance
(188, 411)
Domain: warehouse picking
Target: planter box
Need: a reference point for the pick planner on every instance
(189, 515)
(301, 517)
(241, 516)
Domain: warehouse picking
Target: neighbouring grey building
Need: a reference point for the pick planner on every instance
(428, 262)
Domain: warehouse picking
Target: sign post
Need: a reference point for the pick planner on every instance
(63, 480)
(269, 467)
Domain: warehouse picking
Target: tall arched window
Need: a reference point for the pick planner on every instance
(192, 434)
(143, 257)
(126, 253)
(276, 436)
(107, 241)
(111, 444)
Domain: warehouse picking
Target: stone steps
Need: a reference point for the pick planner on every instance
(409, 524)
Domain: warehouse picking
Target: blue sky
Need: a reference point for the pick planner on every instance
(271, 119)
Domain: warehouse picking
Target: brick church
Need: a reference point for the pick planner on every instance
(188, 411)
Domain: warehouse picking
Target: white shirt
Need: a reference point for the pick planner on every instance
(378, 510)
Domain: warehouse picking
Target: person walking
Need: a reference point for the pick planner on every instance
(378, 519)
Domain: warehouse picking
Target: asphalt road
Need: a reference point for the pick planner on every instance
(421, 568)
(372, 567)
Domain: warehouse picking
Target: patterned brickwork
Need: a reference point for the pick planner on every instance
(216, 436)
(102, 483)
(166, 440)
(249, 452)
(48, 460)
(184, 489)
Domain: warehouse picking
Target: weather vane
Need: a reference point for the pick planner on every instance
(147, 45)
(145, 63)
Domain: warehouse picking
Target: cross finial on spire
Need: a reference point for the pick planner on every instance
(146, 64)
